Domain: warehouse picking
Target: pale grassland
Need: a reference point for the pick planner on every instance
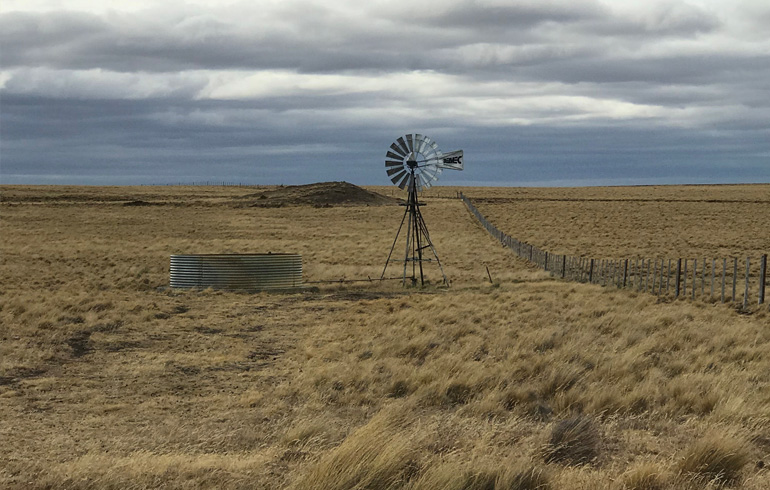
(110, 380)
(663, 222)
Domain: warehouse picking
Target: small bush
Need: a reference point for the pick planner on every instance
(715, 459)
(573, 441)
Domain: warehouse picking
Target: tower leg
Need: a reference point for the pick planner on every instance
(392, 247)
(417, 239)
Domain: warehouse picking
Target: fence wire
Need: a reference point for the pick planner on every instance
(722, 280)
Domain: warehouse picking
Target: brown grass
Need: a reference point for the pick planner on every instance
(670, 222)
(108, 379)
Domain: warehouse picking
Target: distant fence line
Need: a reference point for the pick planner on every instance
(718, 279)
(217, 183)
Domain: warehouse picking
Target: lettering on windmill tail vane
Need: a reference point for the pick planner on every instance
(454, 160)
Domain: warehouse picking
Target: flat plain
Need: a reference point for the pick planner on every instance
(110, 379)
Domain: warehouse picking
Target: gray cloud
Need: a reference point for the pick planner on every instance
(534, 91)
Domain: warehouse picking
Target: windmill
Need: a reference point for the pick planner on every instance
(414, 162)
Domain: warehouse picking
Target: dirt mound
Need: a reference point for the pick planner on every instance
(322, 194)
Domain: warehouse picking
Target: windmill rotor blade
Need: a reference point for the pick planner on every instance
(427, 141)
(402, 184)
(398, 177)
(428, 158)
(398, 150)
(419, 143)
(403, 146)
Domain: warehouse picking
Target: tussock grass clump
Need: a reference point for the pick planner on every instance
(455, 476)
(523, 477)
(573, 441)
(378, 456)
(715, 459)
(645, 476)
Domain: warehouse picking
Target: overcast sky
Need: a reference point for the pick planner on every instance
(536, 92)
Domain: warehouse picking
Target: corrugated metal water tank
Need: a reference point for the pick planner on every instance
(237, 272)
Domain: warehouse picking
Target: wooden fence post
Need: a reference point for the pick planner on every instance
(746, 291)
(563, 265)
(762, 276)
(735, 277)
(713, 272)
(695, 276)
(546, 261)
(660, 288)
(591, 272)
(724, 266)
(625, 273)
(678, 277)
(636, 271)
(684, 279)
(668, 275)
(654, 275)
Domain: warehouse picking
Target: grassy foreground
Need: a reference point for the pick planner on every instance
(110, 380)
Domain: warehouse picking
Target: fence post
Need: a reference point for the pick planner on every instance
(668, 276)
(746, 291)
(625, 273)
(735, 276)
(762, 272)
(647, 278)
(695, 276)
(546, 261)
(684, 279)
(724, 267)
(713, 272)
(678, 277)
(591, 272)
(563, 265)
(600, 277)
(660, 287)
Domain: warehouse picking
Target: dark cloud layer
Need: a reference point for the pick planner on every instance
(535, 92)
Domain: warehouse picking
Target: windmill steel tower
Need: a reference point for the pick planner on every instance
(414, 162)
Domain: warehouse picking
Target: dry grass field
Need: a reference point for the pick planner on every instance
(109, 379)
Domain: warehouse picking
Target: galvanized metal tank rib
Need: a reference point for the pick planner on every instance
(236, 272)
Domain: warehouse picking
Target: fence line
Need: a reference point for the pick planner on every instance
(641, 274)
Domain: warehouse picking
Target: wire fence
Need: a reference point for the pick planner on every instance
(203, 183)
(713, 280)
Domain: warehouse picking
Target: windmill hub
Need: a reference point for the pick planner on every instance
(414, 162)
